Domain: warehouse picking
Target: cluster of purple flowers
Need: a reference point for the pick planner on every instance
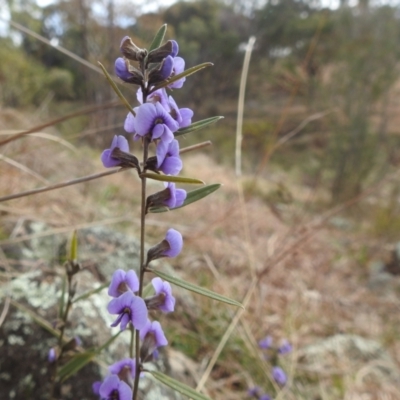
(154, 121)
(277, 373)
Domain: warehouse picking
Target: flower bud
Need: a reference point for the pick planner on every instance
(131, 51)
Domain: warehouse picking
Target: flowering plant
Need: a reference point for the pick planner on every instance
(156, 122)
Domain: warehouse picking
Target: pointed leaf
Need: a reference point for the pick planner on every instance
(195, 288)
(169, 178)
(116, 90)
(197, 125)
(158, 39)
(90, 292)
(73, 252)
(76, 363)
(178, 386)
(192, 196)
(183, 74)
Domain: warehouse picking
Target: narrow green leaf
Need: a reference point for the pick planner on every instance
(178, 386)
(90, 292)
(116, 90)
(195, 288)
(197, 125)
(62, 298)
(192, 196)
(169, 178)
(158, 39)
(183, 74)
(76, 363)
(73, 252)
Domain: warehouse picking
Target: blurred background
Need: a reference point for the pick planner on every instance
(316, 220)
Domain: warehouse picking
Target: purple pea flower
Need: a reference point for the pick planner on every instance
(182, 115)
(122, 281)
(128, 364)
(168, 160)
(154, 120)
(52, 355)
(279, 375)
(265, 343)
(130, 308)
(285, 347)
(159, 95)
(106, 157)
(171, 246)
(167, 67)
(179, 66)
(175, 242)
(121, 69)
(152, 337)
(163, 299)
(254, 391)
(113, 388)
(177, 196)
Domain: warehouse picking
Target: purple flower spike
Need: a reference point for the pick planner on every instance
(122, 281)
(175, 241)
(153, 119)
(265, 343)
(168, 160)
(179, 66)
(279, 375)
(164, 293)
(113, 388)
(285, 347)
(120, 142)
(177, 196)
(130, 308)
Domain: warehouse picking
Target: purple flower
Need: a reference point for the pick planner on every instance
(167, 66)
(182, 115)
(265, 343)
(113, 388)
(175, 242)
(120, 142)
(121, 70)
(154, 120)
(96, 387)
(125, 364)
(159, 95)
(179, 66)
(168, 160)
(285, 347)
(152, 337)
(264, 397)
(52, 355)
(130, 308)
(163, 299)
(175, 48)
(279, 375)
(254, 391)
(122, 281)
(177, 196)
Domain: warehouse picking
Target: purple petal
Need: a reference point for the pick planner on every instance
(157, 284)
(110, 384)
(146, 115)
(285, 348)
(129, 124)
(117, 305)
(180, 197)
(96, 387)
(161, 340)
(161, 152)
(171, 166)
(175, 48)
(167, 67)
(175, 241)
(158, 131)
(125, 392)
(132, 280)
(179, 66)
(265, 343)
(138, 312)
(186, 114)
(121, 70)
(117, 278)
(106, 156)
(172, 200)
(124, 321)
(118, 366)
(279, 375)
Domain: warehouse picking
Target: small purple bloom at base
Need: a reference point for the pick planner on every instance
(279, 375)
(113, 388)
(106, 158)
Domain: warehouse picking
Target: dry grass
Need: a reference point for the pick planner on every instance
(318, 289)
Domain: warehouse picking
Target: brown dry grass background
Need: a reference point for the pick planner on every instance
(313, 279)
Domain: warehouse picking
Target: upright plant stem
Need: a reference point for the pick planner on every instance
(142, 266)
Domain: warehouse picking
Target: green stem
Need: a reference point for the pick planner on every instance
(146, 143)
